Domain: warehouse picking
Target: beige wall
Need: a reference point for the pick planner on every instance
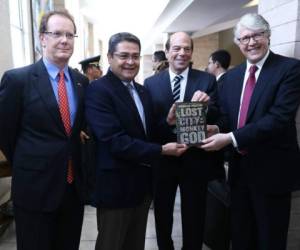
(226, 42)
(204, 46)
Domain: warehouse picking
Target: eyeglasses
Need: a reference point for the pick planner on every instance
(59, 34)
(256, 37)
(125, 56)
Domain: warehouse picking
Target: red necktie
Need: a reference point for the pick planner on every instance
(250, 84)
(65, 116)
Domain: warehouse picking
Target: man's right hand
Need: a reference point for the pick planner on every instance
(173, 149)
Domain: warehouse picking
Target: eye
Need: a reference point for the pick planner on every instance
(57, 34)
(70, 35)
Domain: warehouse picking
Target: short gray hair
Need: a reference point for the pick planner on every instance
(252, 21)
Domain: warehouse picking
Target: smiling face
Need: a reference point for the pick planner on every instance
(180, 52)
(58, 50)
(125, 60)
(255, 49)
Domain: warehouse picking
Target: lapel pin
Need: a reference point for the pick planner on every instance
(79, 84)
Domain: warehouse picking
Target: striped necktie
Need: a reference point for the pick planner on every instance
(176, 89)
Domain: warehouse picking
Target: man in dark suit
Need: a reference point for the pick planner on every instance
(194, 168)
(259, 103)
(118, 110)
(41, 116)
(217, 225)
(218, 64)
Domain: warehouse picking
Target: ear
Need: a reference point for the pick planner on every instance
(109, 58)
(43, 40)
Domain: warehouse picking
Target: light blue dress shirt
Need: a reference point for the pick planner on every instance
(53, 72)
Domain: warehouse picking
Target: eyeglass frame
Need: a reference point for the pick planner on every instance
(256, 37)
(59, 34)
(126, 56)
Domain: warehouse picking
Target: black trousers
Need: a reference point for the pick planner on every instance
(55, 230)
(193, 205)
(259, 221)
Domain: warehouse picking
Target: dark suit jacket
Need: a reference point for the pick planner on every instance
(123, 173)
(33, 138)
(159, 87)
(270, 133)
(221, 80)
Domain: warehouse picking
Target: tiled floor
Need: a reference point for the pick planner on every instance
(89, 231)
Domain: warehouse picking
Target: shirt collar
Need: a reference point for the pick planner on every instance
(260, 63)
(183, 73)
(53, 70)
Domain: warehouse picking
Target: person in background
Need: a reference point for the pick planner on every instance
(91, 68)
(41, 116)
(118, 111)
(191, 171)
(218, 64)
(217, 225)
(259, 100)
(160, 61)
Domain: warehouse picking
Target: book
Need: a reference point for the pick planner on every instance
(190, 122)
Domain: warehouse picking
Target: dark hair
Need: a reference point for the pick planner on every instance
(222, 57)
(121, 37)
(159, 56)
(46, 16)
(169, 41)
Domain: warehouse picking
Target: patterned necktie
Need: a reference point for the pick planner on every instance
(250, 84)
(65, 116)
(176, 89)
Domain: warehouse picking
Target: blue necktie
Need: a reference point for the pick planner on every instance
(138, 103)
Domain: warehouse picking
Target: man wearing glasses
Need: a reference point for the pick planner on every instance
(259, 100)
(118, 110)
(41, 114)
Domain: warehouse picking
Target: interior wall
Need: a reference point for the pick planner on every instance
(226, 42)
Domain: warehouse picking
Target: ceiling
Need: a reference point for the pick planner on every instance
(150, 19)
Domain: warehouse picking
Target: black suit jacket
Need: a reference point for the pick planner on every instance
(159, 87)
(33, 138)
(269, 135)
(124, 157)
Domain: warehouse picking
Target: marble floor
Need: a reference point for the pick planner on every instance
(89, 231)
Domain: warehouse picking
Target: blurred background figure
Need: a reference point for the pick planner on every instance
(218, 64)
(217, 224)
(160, 61)
(91, 67)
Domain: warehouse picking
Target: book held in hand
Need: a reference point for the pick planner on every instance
(190, 122)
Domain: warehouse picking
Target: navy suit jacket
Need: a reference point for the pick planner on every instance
(269, 135)
(33, 138)
(124, 157)
(159, 87)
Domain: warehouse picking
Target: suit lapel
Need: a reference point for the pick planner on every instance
(235, 90)
(192, 85)
(79, 94)
(164, 87)
(43, 85)
(261, 83)
(121, 90)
